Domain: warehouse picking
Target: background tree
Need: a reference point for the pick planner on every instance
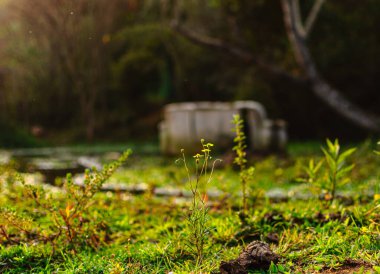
(93, 68)
(67, 56)
(242, 41)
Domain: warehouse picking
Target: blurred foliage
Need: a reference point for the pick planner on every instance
(12, 136)
(106, 68)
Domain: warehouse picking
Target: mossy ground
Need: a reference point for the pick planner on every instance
(147, 234)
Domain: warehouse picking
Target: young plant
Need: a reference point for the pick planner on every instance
(198, 217)
(336, 164)
(313, 175)
(241, 158)
(336, 169)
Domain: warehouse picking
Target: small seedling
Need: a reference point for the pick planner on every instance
(337, 168)
(313, 174)
(241, 158)
(336, 163)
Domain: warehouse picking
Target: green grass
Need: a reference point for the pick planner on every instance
(145, 233)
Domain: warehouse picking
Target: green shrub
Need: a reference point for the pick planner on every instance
(11, 137)
(70, 220)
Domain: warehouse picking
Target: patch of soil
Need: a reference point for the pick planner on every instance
(257, 255)
(351, 266)
(276, 217)
(334, 216)
(247, 234)
(273, 217)
(272, 238)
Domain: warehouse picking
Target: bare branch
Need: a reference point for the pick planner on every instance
(236, 51)
(311, 18)
(213, 43)
(298, 17)
(241, 53)
(331, 96)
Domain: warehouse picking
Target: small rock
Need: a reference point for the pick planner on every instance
(257, 255)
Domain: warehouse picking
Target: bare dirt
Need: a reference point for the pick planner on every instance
(352, 266)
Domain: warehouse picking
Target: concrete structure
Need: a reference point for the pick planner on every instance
(185, 124)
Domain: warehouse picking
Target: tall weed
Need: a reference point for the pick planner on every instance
(241, 159)
(198, 228)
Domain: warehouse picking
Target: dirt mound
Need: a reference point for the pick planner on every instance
(257, 255)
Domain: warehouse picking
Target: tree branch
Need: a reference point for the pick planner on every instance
(236, 51)
(331, 96)
(311, 18)
(298, 17)
(213, 43)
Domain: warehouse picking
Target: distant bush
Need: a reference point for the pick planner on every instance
(11, 137)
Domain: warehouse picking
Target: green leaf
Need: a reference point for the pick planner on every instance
(333, 147)
(318, 166)
(345, 170)
(344, 181)
(251, 171)
(311, 164)
(337, 147)
(330, 145)
(345, 154)
(329, 159)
